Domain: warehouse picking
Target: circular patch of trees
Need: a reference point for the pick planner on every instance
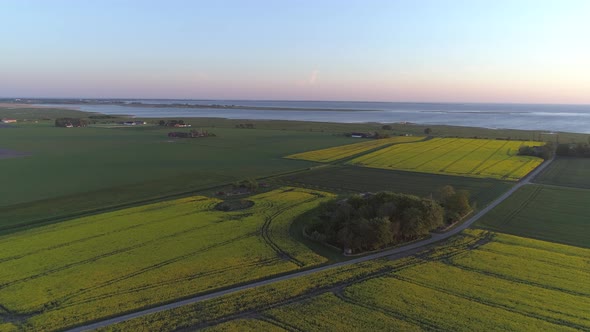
(234, 205)
(374, 221)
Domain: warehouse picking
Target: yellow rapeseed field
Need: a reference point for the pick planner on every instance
(456, 156)
(464, 286)
(478, 280)
(96, 266)
(245, 325)
(345, 151)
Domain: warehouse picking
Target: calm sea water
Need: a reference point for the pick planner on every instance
(569, 118)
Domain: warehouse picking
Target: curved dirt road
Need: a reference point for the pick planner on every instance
(400, 252)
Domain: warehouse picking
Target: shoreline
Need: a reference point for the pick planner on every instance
(246, 117)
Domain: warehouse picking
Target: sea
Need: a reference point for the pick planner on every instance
(550, 118)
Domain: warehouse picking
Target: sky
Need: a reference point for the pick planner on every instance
(396, 50)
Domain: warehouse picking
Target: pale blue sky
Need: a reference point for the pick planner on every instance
(488, 51)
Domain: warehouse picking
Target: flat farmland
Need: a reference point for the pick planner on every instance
(79, 270)
(479, 280)
(496, 159)
(345, 151)
(569, 172)
(351, 179)
(71, 171)
(544, 212)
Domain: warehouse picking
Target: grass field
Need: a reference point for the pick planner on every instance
(350, 179)
(455, 156)
(470, 283)
(546, 213)
(73, 170)
(569, 172)
(109, 263)
(346, 151)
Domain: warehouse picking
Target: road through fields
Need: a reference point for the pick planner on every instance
(399, 252)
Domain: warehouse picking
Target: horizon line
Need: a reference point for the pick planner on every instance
(307, 100)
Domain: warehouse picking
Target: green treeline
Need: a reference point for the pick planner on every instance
(581, 150)
(70, 122)
(544, 151)
(373, 221)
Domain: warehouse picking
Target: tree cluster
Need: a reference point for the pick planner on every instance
(171, 123)
(379, 135)
(248, 184)
(234, 205)
(456, 203)
(544, 151)
(574, 150)
(70, 122)
(369, 223)
(373, 221)
(191, 134)
(245, 126)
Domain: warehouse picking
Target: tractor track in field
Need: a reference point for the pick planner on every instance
(399, 252)
(88, 238)
(508, 218)
(456, 161)
(388, 312)
(483, 162)
(488, 303)
(266, 233)
(106, 255)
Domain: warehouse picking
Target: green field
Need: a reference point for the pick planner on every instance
(476, 281)
(109, 263)
(351, 179)
(73, 170)
(569, 172)
(455, 156)
(346, 151)
(546, 213)
(96, 222)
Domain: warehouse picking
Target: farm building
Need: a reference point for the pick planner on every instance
(8, 121)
